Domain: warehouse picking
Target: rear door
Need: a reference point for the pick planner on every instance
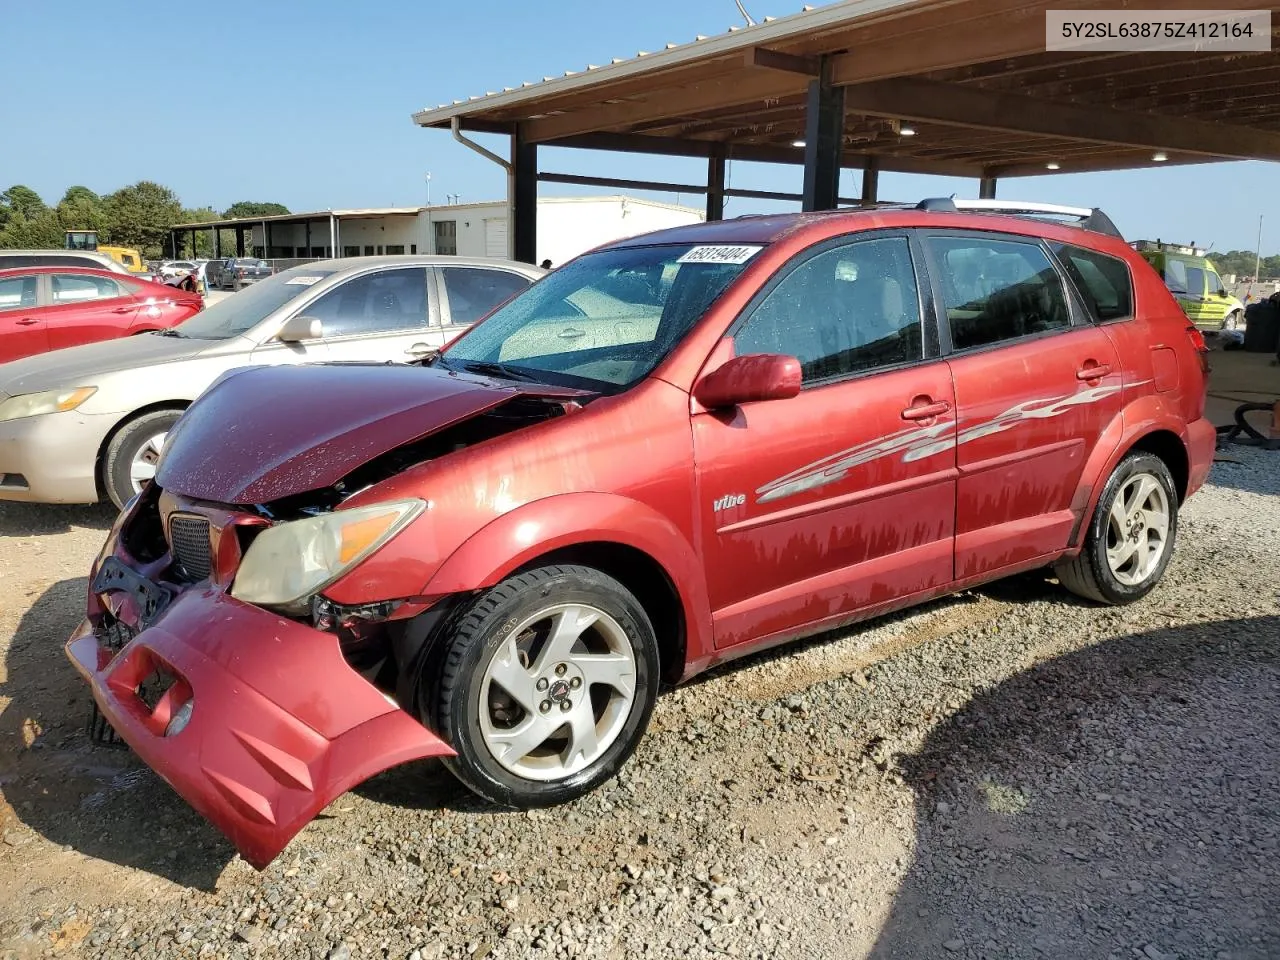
(843, 497)
(468, 294)
(23, 331)
(84, 308)
(1036, 384)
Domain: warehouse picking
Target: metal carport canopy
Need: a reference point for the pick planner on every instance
(970, 78)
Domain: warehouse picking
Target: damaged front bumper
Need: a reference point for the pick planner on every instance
(256, 720)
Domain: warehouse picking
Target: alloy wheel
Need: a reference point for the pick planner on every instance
(1137, 529)
(557, 692)
(143, 465)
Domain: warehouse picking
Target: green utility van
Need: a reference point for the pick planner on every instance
(1194, 282)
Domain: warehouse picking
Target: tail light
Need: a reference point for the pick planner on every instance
(1200, 347)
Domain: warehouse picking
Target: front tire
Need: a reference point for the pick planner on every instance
(546, 686)
(1233, 321)
(1131, 536)
(134, 452)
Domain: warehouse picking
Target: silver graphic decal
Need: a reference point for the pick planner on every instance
(917, 443)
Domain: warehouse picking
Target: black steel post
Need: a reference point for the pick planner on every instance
(987, 188)
(823, 141)
(239, 241)
(524, 198)
(715, 182)
(870, 182)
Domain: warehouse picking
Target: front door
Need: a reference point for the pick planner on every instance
(22, 325)
(1036, 384)
(844, 496)
(382, 316)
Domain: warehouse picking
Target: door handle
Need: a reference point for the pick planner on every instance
(926, 411)
(27, 321)
(128, 309)
(571, 333)
(420, 350)
(1093, 371)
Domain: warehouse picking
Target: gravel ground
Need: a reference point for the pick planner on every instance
(1007, 773)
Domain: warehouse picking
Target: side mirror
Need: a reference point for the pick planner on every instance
(755, 377)
(300, 328)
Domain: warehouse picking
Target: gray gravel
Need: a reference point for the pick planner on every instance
(1009, 773)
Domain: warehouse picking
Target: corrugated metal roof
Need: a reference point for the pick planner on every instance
(737, 38)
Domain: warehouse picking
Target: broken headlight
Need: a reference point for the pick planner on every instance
(289, 563)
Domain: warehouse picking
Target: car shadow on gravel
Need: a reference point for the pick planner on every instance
(100, 801)
(39, 519)
(1118, 801)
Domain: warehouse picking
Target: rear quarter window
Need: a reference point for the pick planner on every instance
(1104, 282)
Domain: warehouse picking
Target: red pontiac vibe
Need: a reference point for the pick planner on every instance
(48, 308)
(673, 451)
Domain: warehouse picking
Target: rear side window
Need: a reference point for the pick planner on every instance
(997, 290)
(1195, 281)
(17, 293)
(1104, 282)
(72, 288)
(1175, 276)
(843, 311)
(473, 291)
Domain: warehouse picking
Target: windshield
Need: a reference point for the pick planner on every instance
(606, 319)
(242, 311)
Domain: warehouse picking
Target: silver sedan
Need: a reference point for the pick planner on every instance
(87, 422)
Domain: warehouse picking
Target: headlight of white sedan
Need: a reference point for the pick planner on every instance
(50, 401)
(291, 562)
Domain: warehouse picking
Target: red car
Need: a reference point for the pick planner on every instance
(48, 308)
(673, 451)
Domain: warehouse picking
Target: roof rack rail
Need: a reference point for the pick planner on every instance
(1091, 219)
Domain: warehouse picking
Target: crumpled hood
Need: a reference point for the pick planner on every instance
(262, 433)
(82, 366)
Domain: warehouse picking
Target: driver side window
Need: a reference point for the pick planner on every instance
(843, 311)
(385, 301)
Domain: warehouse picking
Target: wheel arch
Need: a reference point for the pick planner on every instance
(1150, 425)
(629, 540)
(646, 578)
(100, 459)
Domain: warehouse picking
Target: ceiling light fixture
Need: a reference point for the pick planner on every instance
(1053, 166)
(907, 131)
(1160, 156)
(797, 143)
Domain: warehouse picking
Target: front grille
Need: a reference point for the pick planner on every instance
(189, 540)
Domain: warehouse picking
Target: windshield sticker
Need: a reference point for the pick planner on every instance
(720, 254)
(304, 281)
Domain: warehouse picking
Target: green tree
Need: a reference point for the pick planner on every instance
(141, 215)
(41, 232)
(248, 208)
(82, 209)
(20, 201)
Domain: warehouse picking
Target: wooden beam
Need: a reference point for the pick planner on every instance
(747, 87)
(776, 60)
(929, 100)
(1003, 30)
(622, 184)
(854, 157)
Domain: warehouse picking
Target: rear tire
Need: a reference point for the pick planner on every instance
(545, 687)
(133, 453)
(1131, 536)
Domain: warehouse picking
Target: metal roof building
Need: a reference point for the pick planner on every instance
(950, 87)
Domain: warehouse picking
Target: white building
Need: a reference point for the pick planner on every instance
(567, 226)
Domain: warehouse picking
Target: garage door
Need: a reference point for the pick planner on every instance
(495, 237)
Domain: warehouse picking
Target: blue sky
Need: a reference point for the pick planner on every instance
(308, 104)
